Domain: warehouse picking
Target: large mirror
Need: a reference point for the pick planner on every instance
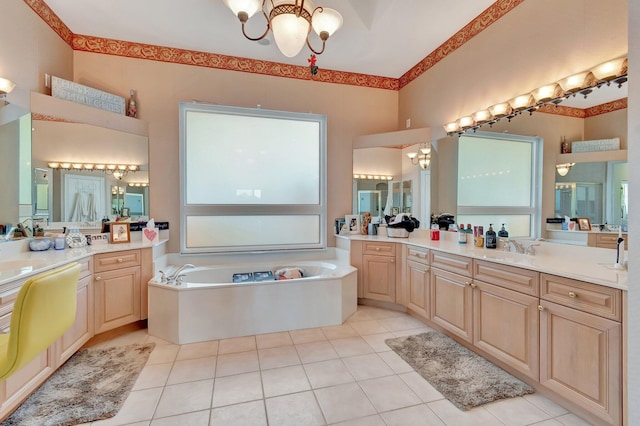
(58, 197)
(74, 194)
(596, 190)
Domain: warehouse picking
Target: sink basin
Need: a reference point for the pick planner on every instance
(8, 265)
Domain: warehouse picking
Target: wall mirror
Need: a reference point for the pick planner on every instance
(77, 195)
(597, 190)
(15, 166)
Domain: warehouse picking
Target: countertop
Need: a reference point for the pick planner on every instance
(16, 263)
(590, 264)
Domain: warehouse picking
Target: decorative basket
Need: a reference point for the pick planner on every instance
(397, 232)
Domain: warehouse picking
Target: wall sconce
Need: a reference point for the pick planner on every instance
(372, 177)
(117, 170)
(564, 168)
(6, 86)
(422, 157)
(614, 71)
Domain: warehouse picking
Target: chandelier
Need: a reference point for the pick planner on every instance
(422, 157)
(290, 20)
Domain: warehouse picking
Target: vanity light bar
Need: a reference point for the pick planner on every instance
(90, 166)
(614, 71)
(372, 177)
(139, 184)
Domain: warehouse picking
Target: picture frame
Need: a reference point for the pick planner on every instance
(119, 232)
(584, 224)
(352, 221)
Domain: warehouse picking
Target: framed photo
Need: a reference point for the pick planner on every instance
(119, 232)
(125, 211)
(353, 223)
(584, 224)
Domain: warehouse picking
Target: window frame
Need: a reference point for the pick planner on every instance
(534, 210)
(268, 210)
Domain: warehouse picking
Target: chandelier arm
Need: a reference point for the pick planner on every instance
(313, 50)
(299, 10)
(265, 31)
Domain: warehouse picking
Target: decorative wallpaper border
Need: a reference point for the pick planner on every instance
(490, 15)
(605, 108)
(50, 18)
(43, 117)
(231, 63)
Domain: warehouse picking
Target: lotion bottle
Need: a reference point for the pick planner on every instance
(502, 233)
(490, 238)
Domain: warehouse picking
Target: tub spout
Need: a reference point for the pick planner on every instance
(173, 278)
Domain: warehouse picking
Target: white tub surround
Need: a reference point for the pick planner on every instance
(196, 311)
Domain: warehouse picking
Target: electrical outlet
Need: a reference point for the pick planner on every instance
(408, 123)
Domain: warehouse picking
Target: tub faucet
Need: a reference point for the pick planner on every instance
(176, 276)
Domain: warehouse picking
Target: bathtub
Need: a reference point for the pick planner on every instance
(207, 305)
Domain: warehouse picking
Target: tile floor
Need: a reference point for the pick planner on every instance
(342, 375)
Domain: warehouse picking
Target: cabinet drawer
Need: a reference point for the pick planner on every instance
(418, 254)
(451, 262)
(518, 279)
(592, 298)
(609, 240)
(116, 260)
(379, 248)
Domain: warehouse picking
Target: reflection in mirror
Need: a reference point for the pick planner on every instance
(594, 190)
(370, 195)
(78, 195)
(401, 197)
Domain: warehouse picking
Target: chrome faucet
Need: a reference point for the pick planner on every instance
(517, 247)
(176, 277)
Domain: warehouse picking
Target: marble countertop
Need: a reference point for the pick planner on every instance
(590, 264)
(16, 263)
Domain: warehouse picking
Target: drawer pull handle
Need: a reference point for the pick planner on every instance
(120, 260)
(472, 285)
(467, 283)
(98, 278)
(426, 270)
(540, 308)
(392, 261)
(572, 295)
(377, 248)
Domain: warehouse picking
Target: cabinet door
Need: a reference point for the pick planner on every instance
(417, 287)
(506, 325)
(82, 329)
(117, 298)
(451, 302)
(379, 276)
(581, 358)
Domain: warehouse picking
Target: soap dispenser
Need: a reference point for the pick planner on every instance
(502, 233)
(490, 238)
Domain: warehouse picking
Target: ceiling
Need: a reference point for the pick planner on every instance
(379, 37)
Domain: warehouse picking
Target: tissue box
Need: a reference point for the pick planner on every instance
(397, 232)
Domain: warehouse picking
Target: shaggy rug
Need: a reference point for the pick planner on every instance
(91, 385)
(463, 377)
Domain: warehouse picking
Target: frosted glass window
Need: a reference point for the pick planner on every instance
(494, 172)
(251, 231)
(251, 179)
(252, 160)
(499, 182)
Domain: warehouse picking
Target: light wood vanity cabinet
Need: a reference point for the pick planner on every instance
(417, 280)
(606, 240)
(117, 289)
(506, 319)
(581, 344)
(451, 293)
(83, 328)
(379, 271)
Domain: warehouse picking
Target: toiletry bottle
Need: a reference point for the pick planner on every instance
(469, 232)
(435, 232)
(490, 238)
(502, 233)
(462, 235)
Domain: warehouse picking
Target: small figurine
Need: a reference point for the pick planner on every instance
(366, 220)
(132, 110)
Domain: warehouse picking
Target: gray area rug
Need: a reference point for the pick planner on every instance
(463, 377)
(91, 385)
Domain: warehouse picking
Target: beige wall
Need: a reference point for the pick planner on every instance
(28, 50)
(605, 126)
(351, 111)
